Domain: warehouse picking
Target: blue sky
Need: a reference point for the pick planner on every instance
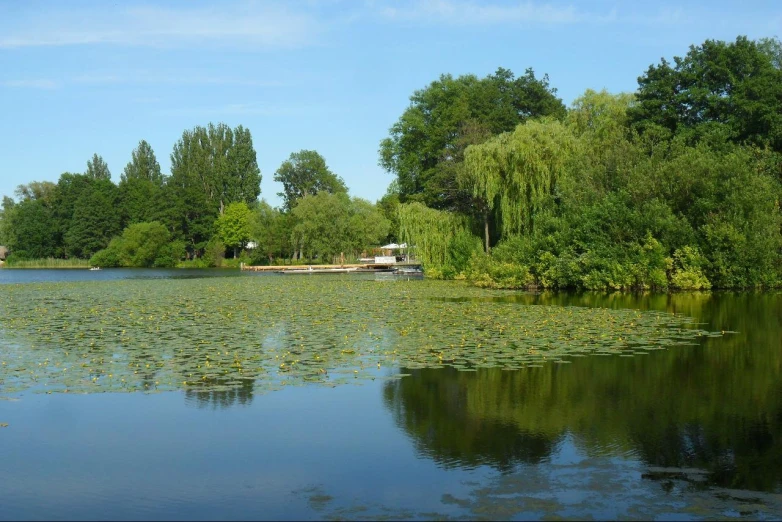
(80, 77)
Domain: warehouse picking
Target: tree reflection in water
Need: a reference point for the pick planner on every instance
(715, 407)
(240, 394)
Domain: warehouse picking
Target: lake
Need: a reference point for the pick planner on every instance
(216, 394)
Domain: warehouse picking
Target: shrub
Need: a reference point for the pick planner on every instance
(108, 257)
(460, 249)
(686, 273)
(487, 272)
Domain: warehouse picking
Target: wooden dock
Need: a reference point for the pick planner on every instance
(360, 267)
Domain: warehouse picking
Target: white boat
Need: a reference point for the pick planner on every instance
(95, 268)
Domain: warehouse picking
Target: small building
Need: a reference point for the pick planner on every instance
(3, 253)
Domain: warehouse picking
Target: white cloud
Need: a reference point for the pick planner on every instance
(460, 12)
(31, 84)
(244, 25)
(505, 12)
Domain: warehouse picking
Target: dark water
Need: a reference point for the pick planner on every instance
(693, 432)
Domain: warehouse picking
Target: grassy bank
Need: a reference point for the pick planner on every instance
(47, 263)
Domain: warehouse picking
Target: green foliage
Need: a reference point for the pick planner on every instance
(389, 206)
(210, 168)
(41, 190)
(95, 219)
(6, 216)
(515, 173)
(328, 225)
(461, 248)
(733, 89)
(141, 245)
(141, 187)
(50, 262)
(97, 168)
(367, 226)
(426, 143)
(214, 253)
(490, 272)
(687, 273)
(305, 173)
(109, 257)
(271, 231)
(143, 165)
(674, 186)
(652, 265)
(32, 230)
(234, 226)
(429, 233)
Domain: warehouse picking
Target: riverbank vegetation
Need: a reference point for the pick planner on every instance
(675, 186)
(48, 263)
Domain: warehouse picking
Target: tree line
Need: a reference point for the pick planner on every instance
(207, 208)
(674, 186)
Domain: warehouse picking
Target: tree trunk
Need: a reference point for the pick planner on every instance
(486, 230)
(235, 249)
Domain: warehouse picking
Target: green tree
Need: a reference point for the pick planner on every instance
(731, 89)
(451, 114)
(322, 222)
(429, 233)
(234, 226)
(33, 234)
(389, 205)
(6, 216)
(41, 190)
(97, 168)
(271, 231)
(516, 173)
(95, 220)
(367, 225)
(143, 165)
(305, 173)
(70, 187)
(141, 245)
(329, 225)
(141, 187)
(210, 168)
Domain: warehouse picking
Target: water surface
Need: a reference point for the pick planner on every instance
(685, 432)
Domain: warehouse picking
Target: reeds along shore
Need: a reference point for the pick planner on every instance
(47, 263)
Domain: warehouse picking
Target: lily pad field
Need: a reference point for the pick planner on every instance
(342, 397)
(215, 334)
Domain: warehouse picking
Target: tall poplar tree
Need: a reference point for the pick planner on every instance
(97, 168)
(141, 187)
(211, 167)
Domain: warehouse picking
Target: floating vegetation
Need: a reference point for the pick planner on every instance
(268, 332)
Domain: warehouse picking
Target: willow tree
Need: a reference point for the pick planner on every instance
(430, 231)
(516, 172)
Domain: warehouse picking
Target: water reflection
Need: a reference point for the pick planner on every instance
(715, 407)
(434, 407)
(234, 395)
